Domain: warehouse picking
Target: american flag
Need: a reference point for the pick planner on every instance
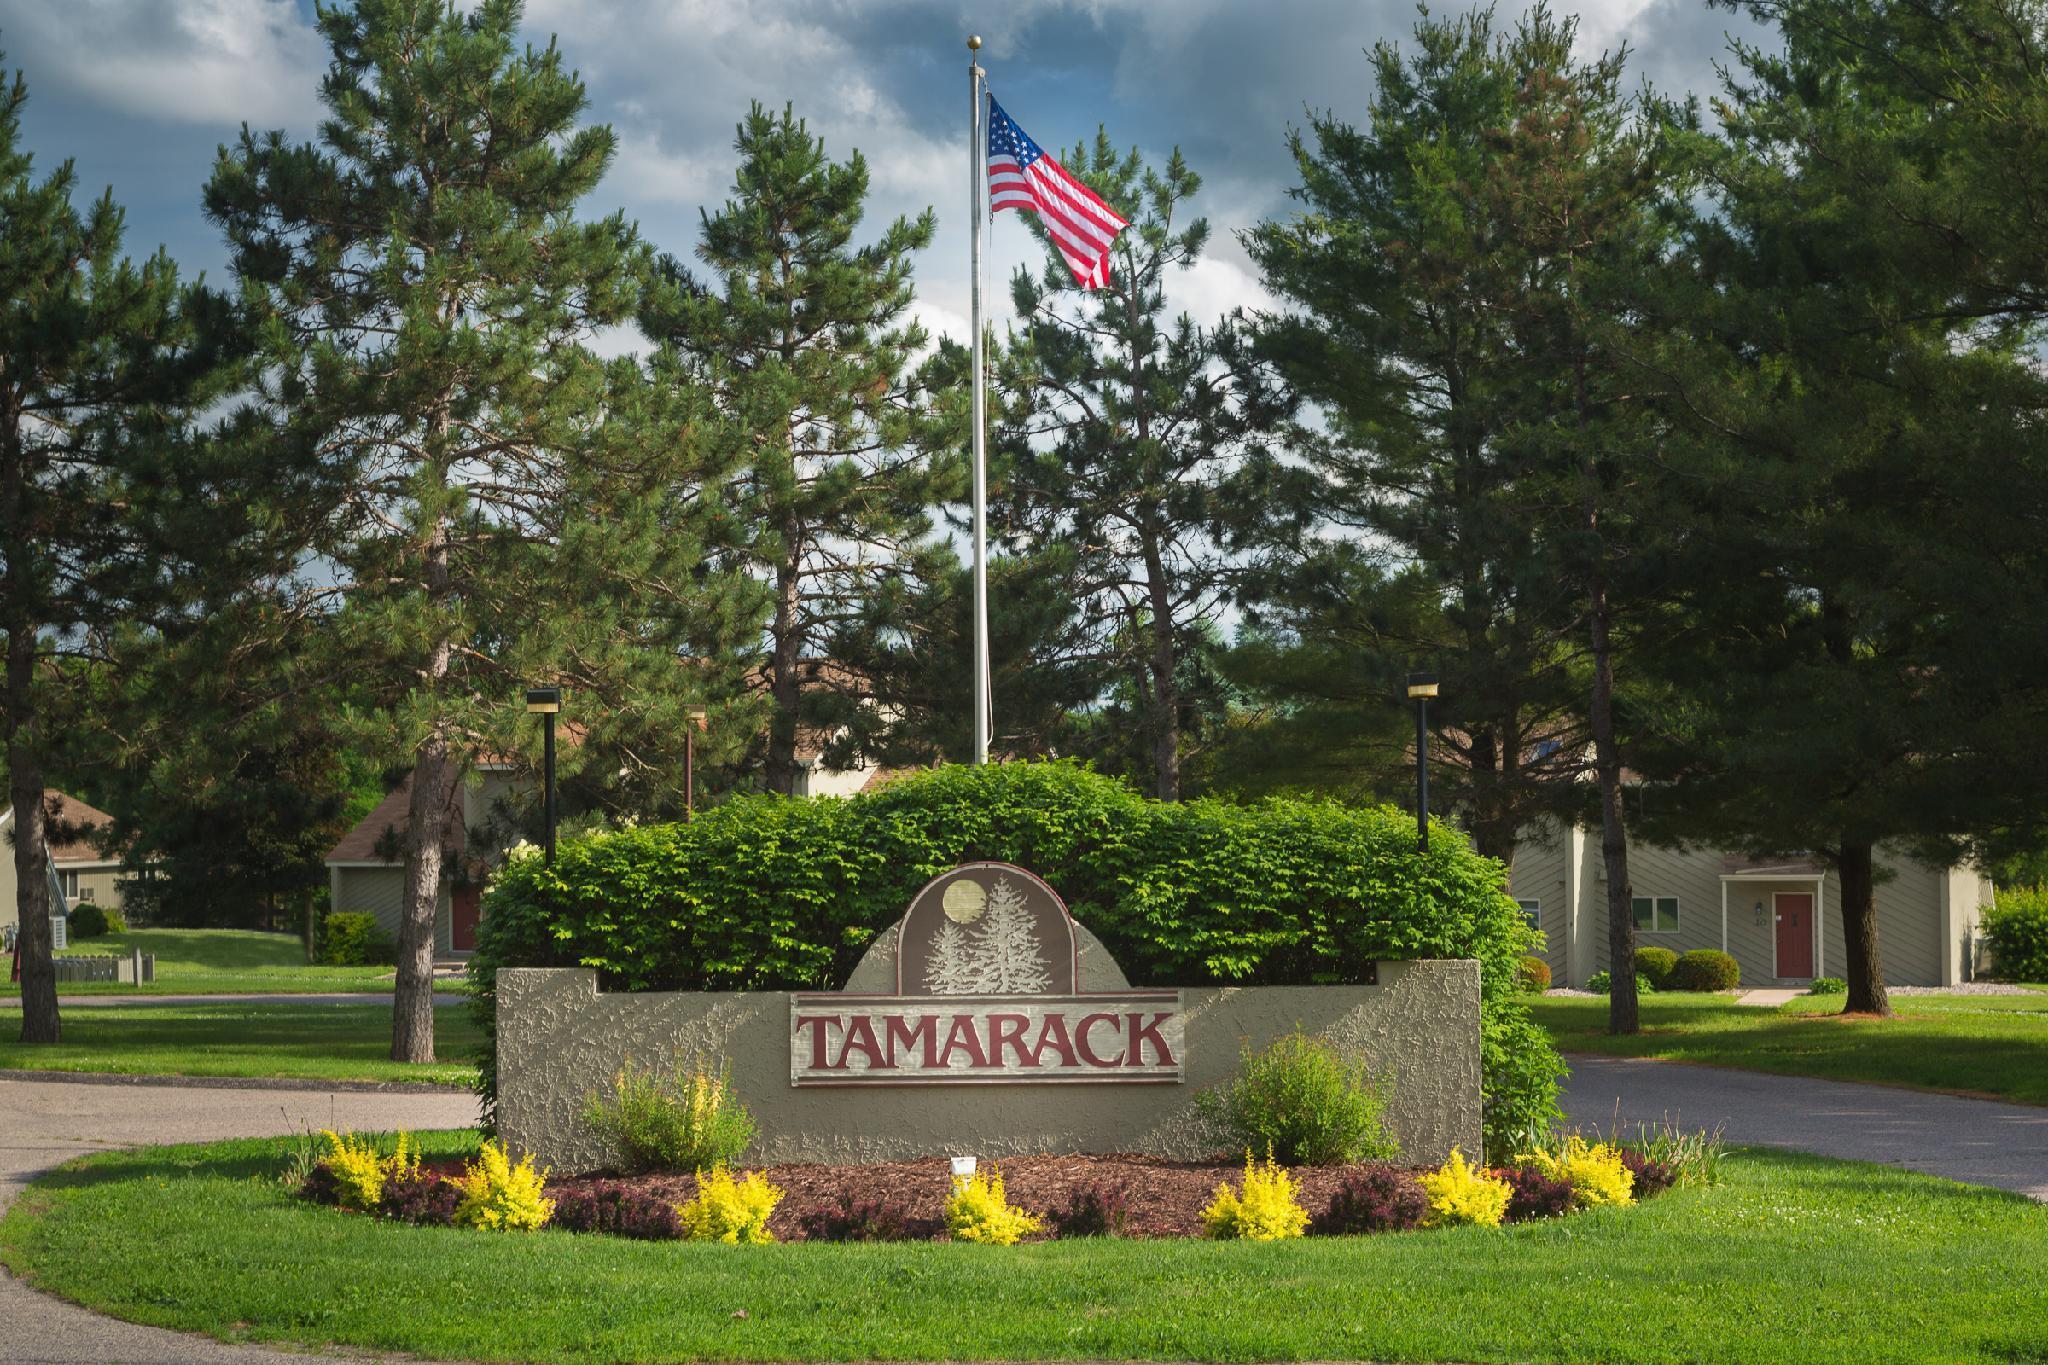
(1022, 176)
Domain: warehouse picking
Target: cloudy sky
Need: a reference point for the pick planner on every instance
(140, 93)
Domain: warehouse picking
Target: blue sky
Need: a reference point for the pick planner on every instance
(140, 93)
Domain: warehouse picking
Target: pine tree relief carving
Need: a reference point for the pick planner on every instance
(1006, 955)
(951, 970)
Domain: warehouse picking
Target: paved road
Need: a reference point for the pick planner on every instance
(45, 1122)
(1979, 1141)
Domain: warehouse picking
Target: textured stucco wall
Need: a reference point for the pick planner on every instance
(559, 1038)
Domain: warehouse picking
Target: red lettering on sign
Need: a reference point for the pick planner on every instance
(900, 1030)
(860, 1033)
(1086, 1049)
(1007, 1031)
(817, 1024)
(1140, 1031)
(963, 1036)
(1053, 1034)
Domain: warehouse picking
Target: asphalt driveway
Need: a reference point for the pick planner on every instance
(1983, 1142)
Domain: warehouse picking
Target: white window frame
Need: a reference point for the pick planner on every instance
(1657, 904)
(67, 884)
(1532, 911)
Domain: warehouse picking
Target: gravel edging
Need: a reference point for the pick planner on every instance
(237, 1082)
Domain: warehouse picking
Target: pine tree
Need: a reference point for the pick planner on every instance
(115, 506)
(949, 972)
(805, 343)
(1148, 450)
(1007, 958)
(513, 514)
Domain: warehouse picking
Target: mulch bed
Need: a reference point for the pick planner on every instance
(1165, 1198)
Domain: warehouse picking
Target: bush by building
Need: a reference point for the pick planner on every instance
(1535, 974)
(1304, 1102)
(1706, 969)
(1655, 965)
(350, 938)
(2017, 929)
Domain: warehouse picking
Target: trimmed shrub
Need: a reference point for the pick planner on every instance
(679, 1121)
(499, 1195)
(1534, 974)
(616, 1210)
(764, 893)
(1595, 1171)
(730, 1211)
(1265, 1209)
(2017, 929)
(1652, 1177)
(1459, 1193)
(1094, 1209)
(1655, 964)
(1534, 1193)
(1376, 1197)
(979, 1211)
(360, 1167)
(1303, 1102)
(321, 1185)
(88, 920)
(867, 1220)
(1828, 985)
(420, 1197)
(1600, 983)
(351, 938)
(1706, 969)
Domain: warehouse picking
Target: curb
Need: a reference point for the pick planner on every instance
(239, 1082)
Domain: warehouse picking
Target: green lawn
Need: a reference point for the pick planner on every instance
(1791, 1258)
(325, 1042)
(1985, 1044)
(222, 962)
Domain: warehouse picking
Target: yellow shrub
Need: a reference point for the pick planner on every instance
(1460, 1194)
(979, 1212)
(1266, 1211)
(496, 1194)
(728, 1210)
(360, 1170)
(1595, 1172)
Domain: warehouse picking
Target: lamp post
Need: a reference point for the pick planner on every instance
(547, 701)
(1421, 687)
(696, 718)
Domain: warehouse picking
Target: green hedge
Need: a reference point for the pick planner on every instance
(1706, 969)
(350, 938)
(2017, 927)
(765, 893)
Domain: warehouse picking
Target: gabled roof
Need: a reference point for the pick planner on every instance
(78, 821)
(384, 826)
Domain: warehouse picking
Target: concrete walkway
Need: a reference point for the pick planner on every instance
(1769, 997)
(43, 1123)
(1979, 1141)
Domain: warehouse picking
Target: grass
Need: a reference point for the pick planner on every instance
(223, 962)
(323, 1042)
(1791, 1258)
(1979, 1044)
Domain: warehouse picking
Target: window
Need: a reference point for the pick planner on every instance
(1532, 911)
(1656, 914)
(67, 882)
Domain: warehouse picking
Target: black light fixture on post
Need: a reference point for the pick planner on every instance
(695, 718)
(1421, 687)
(547, 701)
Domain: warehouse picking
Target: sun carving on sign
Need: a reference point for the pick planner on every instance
(964, 901)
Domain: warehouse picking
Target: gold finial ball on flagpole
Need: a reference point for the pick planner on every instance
(974, 42)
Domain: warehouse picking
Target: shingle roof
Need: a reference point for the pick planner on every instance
(70, 812)
(383, 827)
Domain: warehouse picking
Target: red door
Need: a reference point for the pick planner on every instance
(462, 910)
(1795, 933)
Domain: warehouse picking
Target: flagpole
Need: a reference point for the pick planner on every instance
(977, 156)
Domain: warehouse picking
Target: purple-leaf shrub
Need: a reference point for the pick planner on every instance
(1653, 1177)
(868, 1220)
(423, 1197)
(1534, 1194)
(1373, 1197)
(1095, 1209)
(619, 1211)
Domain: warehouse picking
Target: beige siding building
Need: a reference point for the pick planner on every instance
(85, 875)
(1781, 921)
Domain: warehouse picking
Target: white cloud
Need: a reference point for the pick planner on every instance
(194, 61)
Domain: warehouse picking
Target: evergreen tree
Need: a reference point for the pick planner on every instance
(511, 516)
(114, 505)
(1403, 336)
(805, 343)
(950, 972)
(1007, 958)
(1148, 449)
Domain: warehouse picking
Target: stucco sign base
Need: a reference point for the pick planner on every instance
(560, 1038)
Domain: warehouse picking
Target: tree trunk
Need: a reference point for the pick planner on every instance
(39, 1019)
(1494, 769)
(412, 1003)
(1622, 1016)
(784, 686)
(1165, 725)
(1857, 864)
